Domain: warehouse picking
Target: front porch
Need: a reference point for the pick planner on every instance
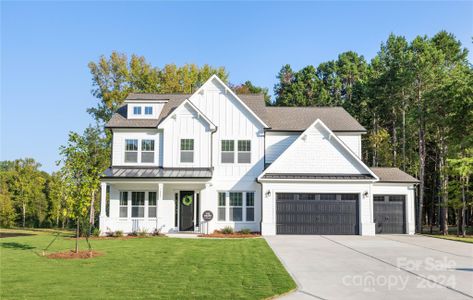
(168, 207)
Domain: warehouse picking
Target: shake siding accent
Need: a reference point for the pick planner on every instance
(320, 152)
(353, 141)
(276, 143)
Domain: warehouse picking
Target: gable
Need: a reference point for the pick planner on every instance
(186, 110)
(209, 98)
(318, 151)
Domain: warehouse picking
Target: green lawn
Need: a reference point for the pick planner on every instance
(142, 269)
(467, 239)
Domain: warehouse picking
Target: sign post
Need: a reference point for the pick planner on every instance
(207, 216)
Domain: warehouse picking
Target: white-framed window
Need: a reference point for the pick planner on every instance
(147, 151)
(236, 206)
(148, 110)
(228, 151)
(187, 150)
(137, 110)
(123, 205)
(250, 206)
(244, 151)
(152, 204)
(131, 150)
(222, 204)
(137, 204)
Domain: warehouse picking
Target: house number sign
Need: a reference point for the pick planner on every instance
(207, 215)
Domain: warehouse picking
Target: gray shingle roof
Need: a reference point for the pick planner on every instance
(393, 175)
(277, 118)
(156, 172)
(318, 176)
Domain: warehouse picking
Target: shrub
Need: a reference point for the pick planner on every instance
(118, 233)
(96, 232)
(245, 231)
(142, 232)
(157, 232)
(227, 230)
(133, 233)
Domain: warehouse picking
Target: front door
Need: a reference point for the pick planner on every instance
(186, 208)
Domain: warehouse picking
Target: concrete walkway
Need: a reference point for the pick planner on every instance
(380, 267)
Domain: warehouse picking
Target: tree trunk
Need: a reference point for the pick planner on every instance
(23, 206)
(394, 139)
(422, 156)
(77, 236)
(444, 184)
(403, 133)
(92, 209)
(463, 223)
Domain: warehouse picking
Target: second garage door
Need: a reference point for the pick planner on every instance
(310, 213)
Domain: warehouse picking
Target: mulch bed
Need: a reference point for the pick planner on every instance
(231, 235)
(125, 237)
(84, 254)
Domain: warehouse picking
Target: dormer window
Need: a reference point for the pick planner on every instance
(137, 110)
(148, 110)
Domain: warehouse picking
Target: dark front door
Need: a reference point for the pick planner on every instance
(311, 213)
(389, 213)
(186, 208)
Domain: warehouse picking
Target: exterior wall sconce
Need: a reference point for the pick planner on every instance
(268, 193)
(365, 194)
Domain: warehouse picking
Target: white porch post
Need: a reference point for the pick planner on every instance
(103, 199)
(159, 201)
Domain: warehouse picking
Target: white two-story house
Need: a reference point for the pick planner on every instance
(274, 170)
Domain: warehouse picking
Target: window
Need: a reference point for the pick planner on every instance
(328, 197)
(228, 151)
(244, 152)
(137, 110)
(250, 206)
(138, 204)
(349, 197)
(152, 205)
(187, 150)
(123, 205)
(236, 210)
(147, 151)
(222, 203)
(131, 151)
(148, 110)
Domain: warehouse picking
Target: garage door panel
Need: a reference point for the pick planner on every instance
(389, 216)
(315, 216)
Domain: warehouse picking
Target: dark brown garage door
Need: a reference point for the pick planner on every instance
(308, 213)
(389, 213)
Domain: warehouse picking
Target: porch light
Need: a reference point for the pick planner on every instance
(365, 194)
(268, 193)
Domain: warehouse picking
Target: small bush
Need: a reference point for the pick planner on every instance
(133, 233)
(142, 232)
(118, 233)
(157, 232)
(245, 231)
(96, 232)
(227, 230)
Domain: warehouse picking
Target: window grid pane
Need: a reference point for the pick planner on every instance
(250, 199)
(244, 145)
(187, 144)
(131, 145)
(123, 205)
(152, 198)
(137, 110)
(148, 110)
(236, 199)
(147, 145)
(228, 145)
(221, 206)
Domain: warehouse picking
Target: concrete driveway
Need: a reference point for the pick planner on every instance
(380, 267)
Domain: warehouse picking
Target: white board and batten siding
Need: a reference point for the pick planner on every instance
(118, 150)
(186, 124)
(233, 122)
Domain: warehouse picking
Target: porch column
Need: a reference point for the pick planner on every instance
(103, 199)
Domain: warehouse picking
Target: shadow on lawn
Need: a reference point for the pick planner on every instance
(17, 246)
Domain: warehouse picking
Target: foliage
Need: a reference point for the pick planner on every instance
(227, 230)
(96, 232)
(115, 77)
(7, 212)
(249, 88)
(245, 231)
(117, 233)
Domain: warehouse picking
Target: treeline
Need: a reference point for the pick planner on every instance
(416, 100)
(414, 97)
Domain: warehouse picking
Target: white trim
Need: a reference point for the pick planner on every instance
(199, 115)
(229, 90)
(303, 137)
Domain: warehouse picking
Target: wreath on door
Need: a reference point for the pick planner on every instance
(187, 200)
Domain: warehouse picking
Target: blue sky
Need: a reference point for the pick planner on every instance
(45, 48)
